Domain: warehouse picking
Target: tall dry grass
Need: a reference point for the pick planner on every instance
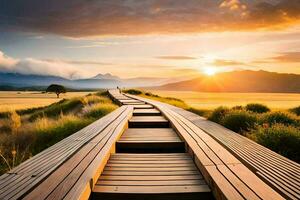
(26, 134)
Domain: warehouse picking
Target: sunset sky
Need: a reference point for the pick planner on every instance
(153, 38)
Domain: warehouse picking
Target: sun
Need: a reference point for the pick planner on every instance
(209, 71)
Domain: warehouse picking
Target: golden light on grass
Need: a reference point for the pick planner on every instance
(13, 100)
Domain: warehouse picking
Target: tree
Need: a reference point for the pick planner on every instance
(57, 89)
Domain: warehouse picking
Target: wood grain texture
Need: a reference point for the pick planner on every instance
(151, 178)
(225, 172)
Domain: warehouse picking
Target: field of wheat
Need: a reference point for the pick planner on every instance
(210, 101)
(13, 100)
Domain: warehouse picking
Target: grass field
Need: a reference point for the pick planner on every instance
(26, 132)
(13, 100)
(213, 100)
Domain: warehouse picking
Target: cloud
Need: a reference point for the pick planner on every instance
(6, 62)
(288, 57)
(82, 18)
(176, 57)
(78, 62)
(235, 6)
(190, 72)
(186, 70)
(40, 67)
(224, 63)
(261, 62)
(74, 69)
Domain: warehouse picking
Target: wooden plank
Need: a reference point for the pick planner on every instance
(147, 140)
(156, 161)
(148, 135)
(147, 165)
(133, 103)
(137, 177)
(149, 169)
(150, 159)
(150, 173)
(140, 146)
(142, 178)
(285, 178)
(220, 185)
(152, 189)
(146, 112)
(148, 119)
(148, 122)
(165, 155)
(160, 131)
(145, 135)
(150, 183)
(143, 107)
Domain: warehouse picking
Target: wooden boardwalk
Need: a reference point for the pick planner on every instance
(151, 150)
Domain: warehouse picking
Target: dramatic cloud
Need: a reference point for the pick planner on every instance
(176, 57)
(82, 18)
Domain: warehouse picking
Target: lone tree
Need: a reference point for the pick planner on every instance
(57, 89)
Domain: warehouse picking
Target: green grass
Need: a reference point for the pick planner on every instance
(50, 132)
(276, 130)
(257, 108)
(200, 112)
(64, 106)
(26, 134)
(279, 117)
(280, 138)
(218, 114)
(295, 110)
(99, 110)
(239, 121)
(133, 91)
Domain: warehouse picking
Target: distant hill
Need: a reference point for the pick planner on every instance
(240, 81)
(21, 80)
(17, 80)
(13, 81)
(105, 76)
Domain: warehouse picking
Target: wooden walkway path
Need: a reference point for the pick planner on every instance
(151, 150)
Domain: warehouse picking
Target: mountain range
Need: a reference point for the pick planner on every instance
(236, 81)
(240, 81)
(17, 80)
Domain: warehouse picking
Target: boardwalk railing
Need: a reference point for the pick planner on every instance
(70, 168)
